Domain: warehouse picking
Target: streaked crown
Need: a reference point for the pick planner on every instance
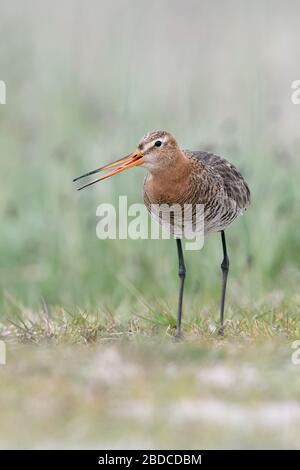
(156, 140)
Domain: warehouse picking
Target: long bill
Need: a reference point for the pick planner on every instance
(134, 159)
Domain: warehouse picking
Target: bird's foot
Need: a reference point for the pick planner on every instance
(221, 331)
(178, 336)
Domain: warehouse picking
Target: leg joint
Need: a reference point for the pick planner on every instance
(181, 271)
(225, 264)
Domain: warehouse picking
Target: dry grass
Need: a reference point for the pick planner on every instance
(93, 379)
(57, 325)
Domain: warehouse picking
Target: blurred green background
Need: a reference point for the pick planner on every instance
(85, 81)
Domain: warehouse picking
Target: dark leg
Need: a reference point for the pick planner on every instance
(181, 274)
(225, 269)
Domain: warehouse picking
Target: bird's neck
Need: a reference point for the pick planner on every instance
(166, 184)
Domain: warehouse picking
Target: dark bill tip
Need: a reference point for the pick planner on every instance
(86, 175)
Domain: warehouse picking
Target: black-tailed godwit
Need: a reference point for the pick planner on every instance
(178, 177)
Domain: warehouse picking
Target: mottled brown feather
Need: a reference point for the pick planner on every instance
(204, 178)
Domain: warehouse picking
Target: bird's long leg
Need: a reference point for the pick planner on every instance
(225, 269)
(181, 273)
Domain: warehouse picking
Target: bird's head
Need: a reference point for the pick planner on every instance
(156, 151)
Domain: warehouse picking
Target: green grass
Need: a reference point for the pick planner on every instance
(60, 326)
(52, 130)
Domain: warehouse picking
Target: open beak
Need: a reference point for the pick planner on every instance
(134, 159)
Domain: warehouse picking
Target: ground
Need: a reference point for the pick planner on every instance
(82, 380)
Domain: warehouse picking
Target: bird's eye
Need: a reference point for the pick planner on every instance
(158, 143)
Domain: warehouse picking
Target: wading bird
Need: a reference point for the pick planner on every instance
(179, 177)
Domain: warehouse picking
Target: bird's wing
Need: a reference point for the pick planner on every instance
(233, 182)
